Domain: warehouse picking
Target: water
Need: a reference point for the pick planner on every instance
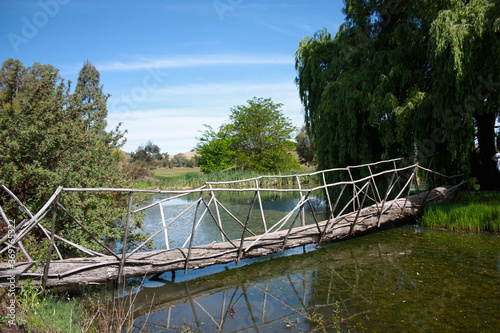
(275, 205)
(405, 279)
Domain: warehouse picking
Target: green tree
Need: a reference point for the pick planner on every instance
(258, 137)
(89, 96)
(215, 150)
(401, 78)
(180, 160)
(464, 43)
(47, 142)
(147, 153)
(262, 136)
(305, 147)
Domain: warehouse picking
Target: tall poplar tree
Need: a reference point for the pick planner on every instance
(53, 138)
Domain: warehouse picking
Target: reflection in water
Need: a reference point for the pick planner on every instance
(403, 279)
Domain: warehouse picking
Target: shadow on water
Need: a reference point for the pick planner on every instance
(400, 279)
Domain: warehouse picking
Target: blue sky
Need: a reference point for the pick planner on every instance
(171, 66)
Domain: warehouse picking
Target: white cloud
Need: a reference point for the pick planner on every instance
(175, 129)
(191, 61)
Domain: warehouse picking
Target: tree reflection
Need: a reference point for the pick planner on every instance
(398, 280)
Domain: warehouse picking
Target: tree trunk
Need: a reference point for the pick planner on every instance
(487, 175)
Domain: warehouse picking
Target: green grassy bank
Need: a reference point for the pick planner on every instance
(472, 211)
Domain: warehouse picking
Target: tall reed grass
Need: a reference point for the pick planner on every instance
(99, 310)
(472, 211)
(47, 313)
(195, 179)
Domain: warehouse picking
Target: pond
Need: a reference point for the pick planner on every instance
(400, 279)
(276, 205)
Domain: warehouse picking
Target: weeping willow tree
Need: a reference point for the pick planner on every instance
(402, 78)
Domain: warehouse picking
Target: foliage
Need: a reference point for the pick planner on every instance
(257, 138)
(181, 161)
(400, 79)
(305, 147)
(216, 149)
(473, 211)
(147, 153)
(53, 138)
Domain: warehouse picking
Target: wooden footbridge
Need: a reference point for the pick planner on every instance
(365, 197)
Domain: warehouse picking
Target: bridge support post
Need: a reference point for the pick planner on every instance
(240, 250)
(125, 236)
(52, 235)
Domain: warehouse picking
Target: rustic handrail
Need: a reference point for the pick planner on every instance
(360, 192)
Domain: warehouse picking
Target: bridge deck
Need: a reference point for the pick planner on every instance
(98, 270)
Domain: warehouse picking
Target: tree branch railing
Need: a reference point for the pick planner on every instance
(391, 174)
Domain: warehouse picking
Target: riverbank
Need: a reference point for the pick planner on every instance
(472, 211)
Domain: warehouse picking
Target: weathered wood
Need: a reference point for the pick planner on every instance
(51, 245)
(34, 220)
(99, 270)
(11, 227)
(125, 235)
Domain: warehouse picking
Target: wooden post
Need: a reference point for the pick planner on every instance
(192, 233)
(374, 184)
(303, 201)
(354, 192)
(164, 227)
(9, 226)
(359, 210)
(387, 193)
(125, 236)
(260, 205)
(219, 221)
(408, 194)
(49, 252)
(302, 213)
(245, 229)
(332, 214)
(326, 190)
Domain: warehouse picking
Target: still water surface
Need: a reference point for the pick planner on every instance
(404, 279)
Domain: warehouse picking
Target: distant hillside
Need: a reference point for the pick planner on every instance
(188, 154)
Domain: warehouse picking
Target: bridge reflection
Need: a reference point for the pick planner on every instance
(320, 288)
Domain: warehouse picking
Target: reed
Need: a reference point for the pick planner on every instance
(70, 309)
(472, 211)
(48, 313)
(190, 178)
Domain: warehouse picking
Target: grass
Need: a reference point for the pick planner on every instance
(48, 313)
(39, 310)
(472, 211)
(165, 173)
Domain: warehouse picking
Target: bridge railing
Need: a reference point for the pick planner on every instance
(378, 183)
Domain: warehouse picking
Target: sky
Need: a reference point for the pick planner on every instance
(171, 66)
